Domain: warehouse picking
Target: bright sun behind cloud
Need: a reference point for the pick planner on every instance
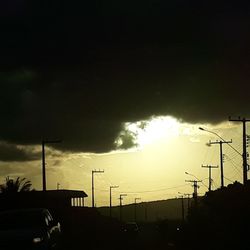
(156, 129)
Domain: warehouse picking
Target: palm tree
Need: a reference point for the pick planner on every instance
(14, 186)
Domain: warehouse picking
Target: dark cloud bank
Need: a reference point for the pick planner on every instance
(78, 71)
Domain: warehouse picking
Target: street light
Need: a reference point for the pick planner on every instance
(221, 154)
(193, 176)
(228, 143)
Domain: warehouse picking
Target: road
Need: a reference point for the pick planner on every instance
(149, 237)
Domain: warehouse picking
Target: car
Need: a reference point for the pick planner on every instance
(28, 229)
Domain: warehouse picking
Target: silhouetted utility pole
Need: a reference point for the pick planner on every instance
(121, 198)
(221, 158)
(244, 154)
(182, 208)
(195, 193)
(110, 199)
(93, 189)
(43, 160)
(136, 199)
(146, 211)
(57, 185)
(209, 175)
(188, 195)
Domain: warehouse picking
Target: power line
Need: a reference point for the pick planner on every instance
(209, 174)
(221, 156)
(233, 163)
(155, 190)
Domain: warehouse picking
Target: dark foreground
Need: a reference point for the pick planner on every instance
(93, 232)
(149, 236)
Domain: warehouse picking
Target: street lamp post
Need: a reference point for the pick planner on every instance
(228, 143)
(221, 155)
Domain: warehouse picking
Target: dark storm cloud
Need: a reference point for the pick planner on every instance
(10, 152)
(78, 71)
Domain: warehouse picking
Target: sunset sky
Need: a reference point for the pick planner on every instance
(125, 85)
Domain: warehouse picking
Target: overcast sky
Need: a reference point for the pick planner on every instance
(80, 70)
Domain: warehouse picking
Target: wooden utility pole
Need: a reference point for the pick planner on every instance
(110, 199)
(244, 145)
(93, 189)
(209, 175)
(221, 158)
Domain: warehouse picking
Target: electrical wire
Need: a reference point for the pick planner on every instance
(155, 190)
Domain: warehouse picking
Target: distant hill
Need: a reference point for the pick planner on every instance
(149, 211)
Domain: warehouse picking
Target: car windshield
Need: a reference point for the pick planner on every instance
(21, 219)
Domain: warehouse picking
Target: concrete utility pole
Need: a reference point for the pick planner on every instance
(221, 158)
(93, 189)
(209, 175)
(136, 199)
(121, 198)
(110, 199)
(43, 160)
(244, 144)
(195, 193)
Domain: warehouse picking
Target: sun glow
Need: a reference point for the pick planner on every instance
(155, 130)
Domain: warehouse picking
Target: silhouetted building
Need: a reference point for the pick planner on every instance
(54, 199)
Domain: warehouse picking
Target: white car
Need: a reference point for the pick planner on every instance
(28, 229)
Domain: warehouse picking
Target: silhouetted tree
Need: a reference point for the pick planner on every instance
(14, 186)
